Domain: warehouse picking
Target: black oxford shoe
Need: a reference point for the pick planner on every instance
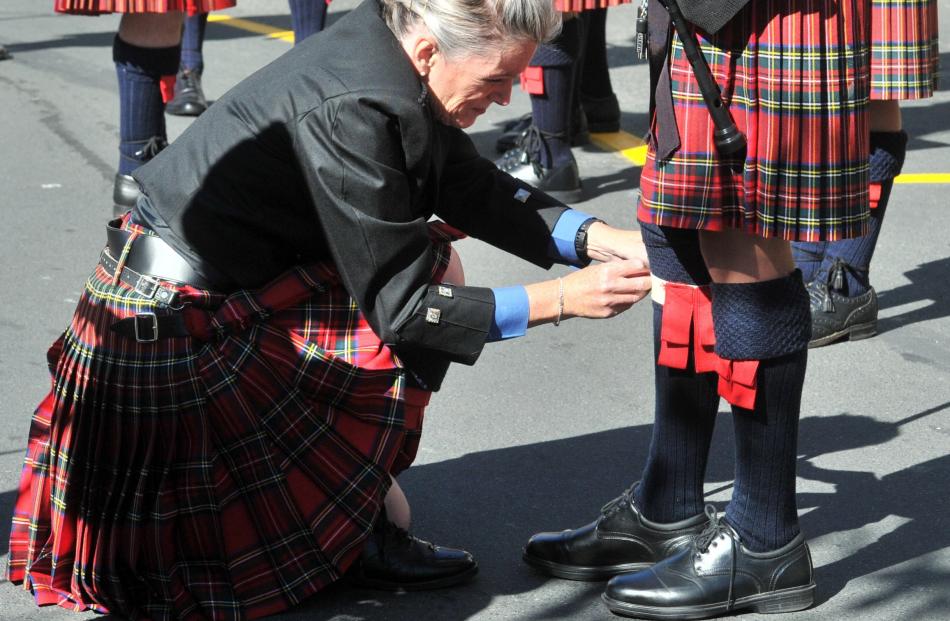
(716, 575)
(394, 560)
(189, 99)
(563, 181)
(125, 191)
(620, 540)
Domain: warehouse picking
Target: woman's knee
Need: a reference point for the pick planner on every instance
(454, 274)
(151, 29)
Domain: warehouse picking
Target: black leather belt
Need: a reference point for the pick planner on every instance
(151, 256)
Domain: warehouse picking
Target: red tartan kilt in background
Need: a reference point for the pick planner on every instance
(576, 6)
(226, 477)
(796, 77)
(98, 7)
(904, 54)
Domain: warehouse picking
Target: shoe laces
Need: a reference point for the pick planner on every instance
(188, 80)
(710, 537)
(820, 293)
(396, 537)
(527, 150)
(151, 148)
(618, 503)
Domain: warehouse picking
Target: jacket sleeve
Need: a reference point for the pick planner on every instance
(493, 206)
(355, 161)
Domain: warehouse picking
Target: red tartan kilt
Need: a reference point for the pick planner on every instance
(796, 78)
(904, 54)
(98, 7)
(224, 477)
(576, 6)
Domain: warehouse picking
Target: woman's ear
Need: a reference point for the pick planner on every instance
(422, 52)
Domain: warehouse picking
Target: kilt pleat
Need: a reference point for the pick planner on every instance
(904, 53)
(222, 478)
(796, 78)
(99, 7)
(576, 6)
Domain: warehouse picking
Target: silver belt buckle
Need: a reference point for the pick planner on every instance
(154, 328)
(146, 285)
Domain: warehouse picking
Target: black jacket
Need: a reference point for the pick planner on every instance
(332, 152)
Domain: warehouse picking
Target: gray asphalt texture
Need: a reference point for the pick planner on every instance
(546, 428)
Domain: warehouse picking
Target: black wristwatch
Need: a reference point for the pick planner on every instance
(580, 241)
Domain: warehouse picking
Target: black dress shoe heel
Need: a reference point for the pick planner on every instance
(125, 191)
(716, 575)
(621, 540)
(394, 560)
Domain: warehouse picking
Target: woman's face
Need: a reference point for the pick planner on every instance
(464, 88)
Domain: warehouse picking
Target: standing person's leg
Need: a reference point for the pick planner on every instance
(543, 156)
(146, 48)
(189, 99)
(307, 17)
(760, 315)
(597, 98)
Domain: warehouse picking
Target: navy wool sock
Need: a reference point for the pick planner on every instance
(853, 256)
(552, 110)
(307, 17)
(671, 486)
(141, 110)
(192, 42)
(767, 321)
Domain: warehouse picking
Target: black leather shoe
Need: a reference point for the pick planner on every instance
(394, 560)
(602, 113)
(620, 540)
(513, 130)
(716, 575)
(125, 191)
(189, 99)
(836, 316)
(523, 162)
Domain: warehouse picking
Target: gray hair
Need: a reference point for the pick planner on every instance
(465, 28)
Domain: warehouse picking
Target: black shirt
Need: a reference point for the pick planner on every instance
(332, 152)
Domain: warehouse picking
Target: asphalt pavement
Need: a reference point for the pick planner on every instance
(547, 428)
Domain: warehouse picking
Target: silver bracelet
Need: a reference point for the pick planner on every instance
(560, 301)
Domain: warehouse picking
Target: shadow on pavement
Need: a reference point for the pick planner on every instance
(928, 282)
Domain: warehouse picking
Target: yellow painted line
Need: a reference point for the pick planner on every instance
(245, 24)
(626, 145)
(923, 178)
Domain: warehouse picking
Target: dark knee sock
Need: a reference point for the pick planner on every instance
(192, 42)
(769, 322)
(552, 110)
(671, 487)
(141, 110)
(808, 258)
(849, 260)
(595, 73)
(307, 17)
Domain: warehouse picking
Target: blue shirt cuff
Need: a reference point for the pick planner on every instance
(511, 313)
(562, 239)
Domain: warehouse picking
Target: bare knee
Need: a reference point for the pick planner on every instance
(151, 29)
(454, 274)
(735, 257)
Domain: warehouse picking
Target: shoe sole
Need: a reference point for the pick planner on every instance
(428, 585)
(786, 600)
(851, 333)
(185, 110)
(582, 573)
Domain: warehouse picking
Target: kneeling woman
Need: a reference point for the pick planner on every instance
(249, 362)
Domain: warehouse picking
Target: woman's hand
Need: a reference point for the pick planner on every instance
(597, 291)
(606, 243)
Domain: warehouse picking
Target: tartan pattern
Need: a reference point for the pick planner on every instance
(228, 478)
(576, 6)
(796, 78)
(904, 53)
(98, 7)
